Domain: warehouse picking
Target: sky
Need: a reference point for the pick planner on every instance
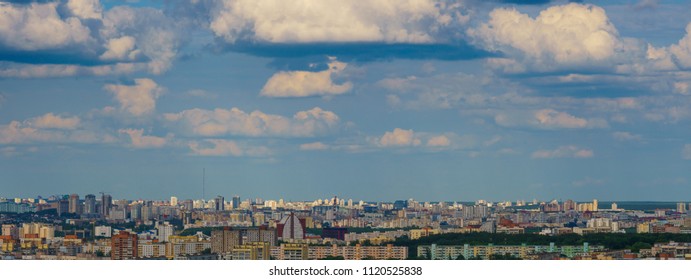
(369, 100)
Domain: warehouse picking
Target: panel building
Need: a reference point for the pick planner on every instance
(124, 246)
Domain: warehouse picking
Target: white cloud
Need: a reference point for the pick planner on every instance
(220, 147)
(126, 38)
(157, 37)
(547, 119)
(141, 141)
(51, 129)
(686, 152)
(39, 26)
(552, 118)
(572, 34)
(392, 21)
(122, 48)
(314, 146)
(399, 138)
(305, 83)
(625, 136)
(675, 57)
(50, 120)
(439, 141)
(138, 99)
(236, 122)
(85, 9)
(682, 50)
(397, 83)
(564, 152)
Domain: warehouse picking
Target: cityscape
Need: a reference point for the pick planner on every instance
(344, 130)
(70, 227)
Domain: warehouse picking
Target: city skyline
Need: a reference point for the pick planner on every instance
(384, 100)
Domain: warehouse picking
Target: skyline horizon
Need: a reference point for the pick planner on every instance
(253, 199)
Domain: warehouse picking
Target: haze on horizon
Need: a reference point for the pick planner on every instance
(376, 100)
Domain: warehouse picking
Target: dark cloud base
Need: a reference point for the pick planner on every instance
(295, 56)
(49, 58)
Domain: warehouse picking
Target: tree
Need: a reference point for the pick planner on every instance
(636, 247)
(460, 257)
(503, 257)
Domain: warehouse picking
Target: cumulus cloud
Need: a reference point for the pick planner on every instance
(138, 99)
(399, 138)
(120, 40)
(85, 9)
(314, 146)
(391, 21)
(682, 50)
(39, 26)
(547, 119)
(306, 83)
(50, 120)
(572, 34)
(674, 57)
(122, 48)
(564, 152)
(50, 129)
(408, 138)
(237, 122)
(141, 141)
(439, 141)
(220, 147)
(157, 36)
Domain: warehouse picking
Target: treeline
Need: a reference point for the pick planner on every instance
(612, 241)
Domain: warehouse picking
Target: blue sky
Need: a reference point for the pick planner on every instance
(381, 100)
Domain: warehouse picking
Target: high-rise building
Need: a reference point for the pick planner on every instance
(219, 201)
(615, 206)
(223, 241)
(165, 230)
(291, 227)
(74, 206)
(136, 211)
(106, 203)
(188, 204)
(173, 201)
(62, 206)
(147, 213)
(595, 208)
(90, 204)
(124, 246)
(569, 205)
(236, 202)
